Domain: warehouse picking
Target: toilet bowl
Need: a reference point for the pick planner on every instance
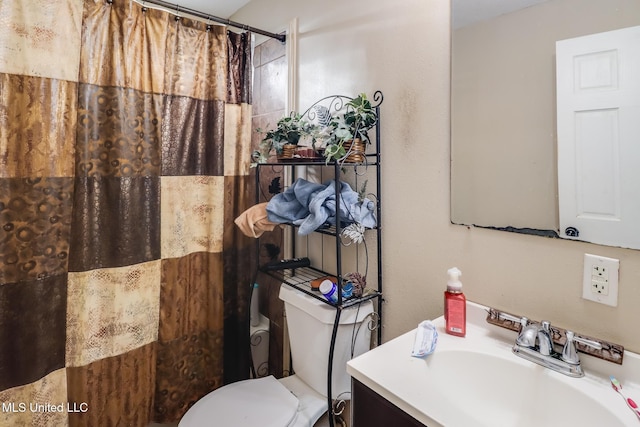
(262, 402)
(301, 399)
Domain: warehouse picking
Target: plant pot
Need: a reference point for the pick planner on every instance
(288, 150)
(355, 149)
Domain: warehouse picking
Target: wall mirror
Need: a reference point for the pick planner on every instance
(504, 133)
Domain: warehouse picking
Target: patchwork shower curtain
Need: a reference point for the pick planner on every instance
(124, 153)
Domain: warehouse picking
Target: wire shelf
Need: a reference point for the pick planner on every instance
(301, 278)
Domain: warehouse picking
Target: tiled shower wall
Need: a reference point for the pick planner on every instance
(269, 101)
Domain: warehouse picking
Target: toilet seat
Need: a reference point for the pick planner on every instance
(261, 402)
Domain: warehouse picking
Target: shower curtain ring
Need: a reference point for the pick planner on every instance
(178, 17)
(209, 26)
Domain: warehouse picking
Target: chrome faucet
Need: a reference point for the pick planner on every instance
(535, 343)
(545, 342)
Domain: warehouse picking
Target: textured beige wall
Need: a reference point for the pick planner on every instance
(402, 48)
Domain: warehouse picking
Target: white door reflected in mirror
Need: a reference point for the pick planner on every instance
(598, 111)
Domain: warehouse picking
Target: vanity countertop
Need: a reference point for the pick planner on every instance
(408, 382)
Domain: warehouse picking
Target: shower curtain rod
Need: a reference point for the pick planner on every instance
(176, 7)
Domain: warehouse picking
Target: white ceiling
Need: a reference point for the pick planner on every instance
(219, 8)
(466, 12)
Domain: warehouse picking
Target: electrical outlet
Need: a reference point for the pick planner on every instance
(600, 282)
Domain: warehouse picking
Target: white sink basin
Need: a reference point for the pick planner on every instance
(485, 387)
(478, 381)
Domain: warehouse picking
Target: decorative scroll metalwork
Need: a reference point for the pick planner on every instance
(340, 404)
(335, 104)
(321, 112)
(255, 340)
(374, 321)
(275, 186)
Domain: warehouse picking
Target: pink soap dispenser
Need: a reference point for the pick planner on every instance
(455, 305)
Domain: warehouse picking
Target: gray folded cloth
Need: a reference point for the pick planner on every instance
(310, 205)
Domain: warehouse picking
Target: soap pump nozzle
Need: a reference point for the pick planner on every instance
(454, 284)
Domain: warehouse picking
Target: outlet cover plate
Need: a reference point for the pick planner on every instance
(600, 279)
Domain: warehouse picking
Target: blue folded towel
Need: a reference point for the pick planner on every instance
(310, 205)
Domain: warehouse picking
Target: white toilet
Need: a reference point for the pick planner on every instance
(298, 400)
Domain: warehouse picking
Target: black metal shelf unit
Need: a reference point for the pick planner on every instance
(300, 278)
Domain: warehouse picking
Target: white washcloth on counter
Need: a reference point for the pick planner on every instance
(426, 339)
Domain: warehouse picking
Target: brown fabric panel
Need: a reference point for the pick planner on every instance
(190, 347)
(192, 137)
(239, 274)
(191, 298)
(32, 329)
(196, 60)
(239, 196)
(116, 222)
(118, 132)
(271, 249)
(122, 46)
(240, 68)
(35, 218)
(236, 317)
(188, 368)
(39, 143)
(118, 390)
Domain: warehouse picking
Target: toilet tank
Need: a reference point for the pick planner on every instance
(310, 323)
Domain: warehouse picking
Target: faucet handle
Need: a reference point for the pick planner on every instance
(569, 353)
(523, 321)
(546, 325)
(528, 333)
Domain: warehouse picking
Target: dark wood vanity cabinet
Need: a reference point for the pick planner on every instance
(369, 409)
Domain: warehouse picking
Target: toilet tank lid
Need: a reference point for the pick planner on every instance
(261, 402)
(322, 311)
